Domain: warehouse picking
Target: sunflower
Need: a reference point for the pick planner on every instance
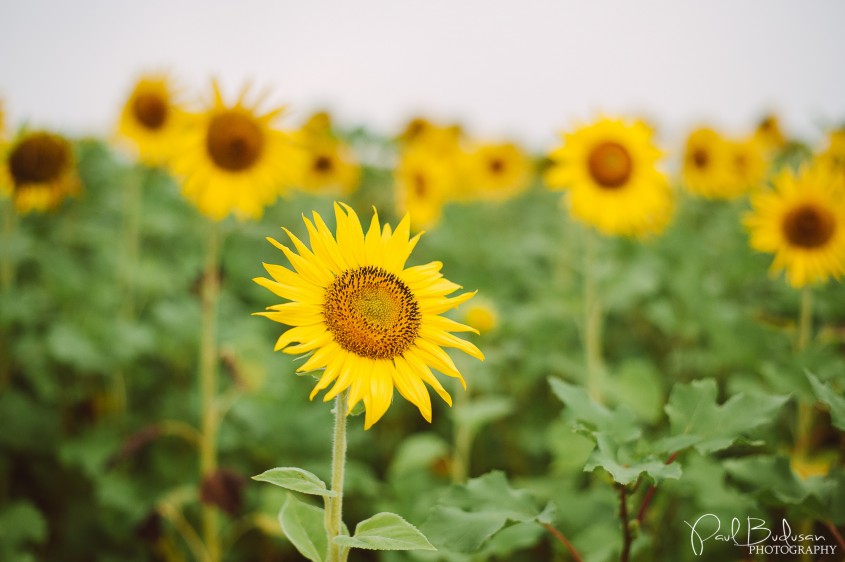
(482, 315)
(496, 172)
(232, 160)
(440, 139)
(747, 167)
(705, 170)
(41, 171)
(833, 155)
(769, 133)
(802, 222)
(328, 167)
(369, 322)
(610, 170)
(424, 181)
(151, 120)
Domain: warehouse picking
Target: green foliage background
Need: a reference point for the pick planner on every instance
(698, 344)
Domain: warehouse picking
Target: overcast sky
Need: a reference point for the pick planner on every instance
(524, 69)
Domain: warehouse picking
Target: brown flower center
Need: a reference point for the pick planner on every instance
(323, 164)
(372, 313)
(496, 166)
(38, 158)
(610, 165)
(420, 184)
(809, 226)
(234, 141)
(700, 158)
(150, 110)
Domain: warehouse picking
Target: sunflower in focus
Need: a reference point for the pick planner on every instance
(151, 120)
(232, 160)
(497, 172)
(610, 171)
(40, 169)
(801, 222)
(424, 182)
(369, 322)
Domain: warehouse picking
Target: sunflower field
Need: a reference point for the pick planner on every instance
(226, 335)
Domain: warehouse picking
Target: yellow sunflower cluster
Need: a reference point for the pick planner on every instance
(716, 167)
(610, 171)
(832, 156)
(438, 165)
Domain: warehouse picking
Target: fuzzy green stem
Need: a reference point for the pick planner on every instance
(626, 525)
(334, 505)
(592, 332)
(462, 445)
(208, 386)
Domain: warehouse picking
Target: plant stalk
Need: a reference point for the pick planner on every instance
(208, 386)
(804, 418)
(334, 505)
(592, 321)
(626, 527)
(462, 445)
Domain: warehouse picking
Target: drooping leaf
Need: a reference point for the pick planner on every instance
(385, 531)
(296, 479)
(303, 525)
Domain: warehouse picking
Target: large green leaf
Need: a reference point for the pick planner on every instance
(303, 524)
(696, 419)
(385, 531)
(296, 479)
(470, 514)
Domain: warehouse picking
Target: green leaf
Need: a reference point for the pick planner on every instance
(834, 401)
(621, 424)
(697, 420)
(624, 466)
(385, 531)
(21, 523)
(303, 525)
(468, 515)
(296, 479)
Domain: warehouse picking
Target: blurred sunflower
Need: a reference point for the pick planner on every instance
(424, 181)
(370, 323)
(443, 140)
(769, 133)
(833, 155)
(496, 172)
(609, 168)
(328, 167)
(232, 159)
(802, 222)
(705, 168)
(482, 315)
(747, 167)
(151, 120)
(40, 169)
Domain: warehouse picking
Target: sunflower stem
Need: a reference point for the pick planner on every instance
(804, 419)
(334, 511)
(462, 436)
(208, 386)
(592, 321)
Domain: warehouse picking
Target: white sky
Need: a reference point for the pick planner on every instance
(524, 69)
